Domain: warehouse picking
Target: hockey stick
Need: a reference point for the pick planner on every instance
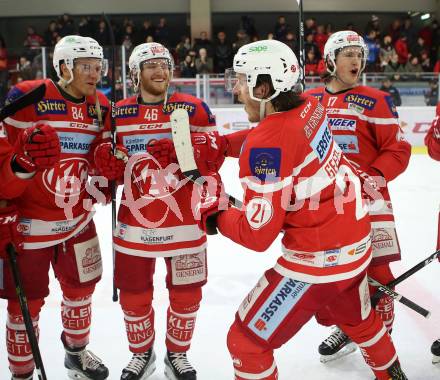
(376, 296)
(302, 54)
(184, 151)
(30, 97)
(398, 297)
(25, 312)
(113, 134)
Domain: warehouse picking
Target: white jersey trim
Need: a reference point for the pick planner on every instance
(314, 279)
(373, 120)
(319, 259)
(55, 124)
(265, 188)
(162, 253)
(50, 243)
(256, 376)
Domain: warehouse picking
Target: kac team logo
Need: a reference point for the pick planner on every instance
(68, 178)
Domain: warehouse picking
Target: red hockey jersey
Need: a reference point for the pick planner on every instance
(155, 218)
(51, 204)
(432, 139)
(296, 180)
(365, 125)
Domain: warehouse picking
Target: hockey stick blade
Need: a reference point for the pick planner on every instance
(30, 97)
(398, 297)
(184, 151)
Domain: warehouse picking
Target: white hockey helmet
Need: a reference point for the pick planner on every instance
(338, 41)
(145, 52)
(72, 47)
(270, 57)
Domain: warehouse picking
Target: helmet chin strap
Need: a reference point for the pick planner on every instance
(263, 102)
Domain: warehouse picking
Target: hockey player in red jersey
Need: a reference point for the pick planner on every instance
(432, 141)
(365, 125)
(297, 182)
(45, 159)
(155, 218)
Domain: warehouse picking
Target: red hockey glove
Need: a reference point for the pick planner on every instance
(9, 229)
(163, 151)
(436, 128)
(372, 182)
(110, 166)
(209, 151)
(207, 201)
(41, 144)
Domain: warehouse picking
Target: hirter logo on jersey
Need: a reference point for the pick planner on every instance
(131, 110)
(265, 163)
(187, 106)
(68, 178)
(51, 106)
(360, 100)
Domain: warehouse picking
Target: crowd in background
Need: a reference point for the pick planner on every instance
(399, 50)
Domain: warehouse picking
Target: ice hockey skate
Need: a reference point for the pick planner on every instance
(435, 350)
(336, 346)
(82, 364)
(177, 367)
(140, 367)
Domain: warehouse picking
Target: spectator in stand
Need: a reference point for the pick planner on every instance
(102, 35)
(51, 33)
(290, 41)
(162, 34)
(350, 26)
(431, 96)
(182, 48)
(413, 69)
(188, 67)
(147, 29)
(310, 45)
(387, 86)
(394, 69)
(386, 51)
(409, 31)
(374, 24)
(312, 62)
(86, 26)
(222, 53)
(25, 69)
(149, 39)
(242, 39)
(310, 26)
(3, 71)
(401, 47)
(320, 38)
(426, 33)
(32, 41)
(203, 42)
(281, 28)
(204, 63)
(248, 24)
(419, 47)
(270, 36)
(329, 29)
(373, 51)
(425, 61)
(435, 47)
(67, 26)
(128, 38)
(395, 30)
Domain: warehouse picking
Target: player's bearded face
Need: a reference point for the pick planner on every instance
(348, 64)
(241, 90)
(86, 74)
(155, 76)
